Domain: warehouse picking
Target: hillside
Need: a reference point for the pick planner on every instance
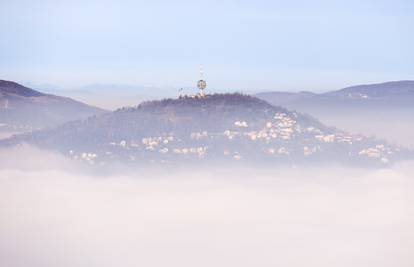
(398, 94)
(24, 109)
(222, 127)
(358, 108)
(388, 90)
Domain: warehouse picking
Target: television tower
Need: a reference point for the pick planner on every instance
(201, 84)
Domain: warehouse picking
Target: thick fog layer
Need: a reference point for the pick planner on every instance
(54, 213)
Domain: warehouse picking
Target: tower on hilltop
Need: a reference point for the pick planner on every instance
(201, 84)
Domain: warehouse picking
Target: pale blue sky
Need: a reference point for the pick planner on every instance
(243, 45)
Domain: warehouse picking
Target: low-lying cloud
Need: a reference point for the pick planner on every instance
(52, 213)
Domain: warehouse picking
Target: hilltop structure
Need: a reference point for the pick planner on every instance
(201, 84)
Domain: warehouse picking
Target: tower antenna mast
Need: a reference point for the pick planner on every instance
(201, 84)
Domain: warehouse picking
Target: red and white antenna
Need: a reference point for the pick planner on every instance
(201, 84)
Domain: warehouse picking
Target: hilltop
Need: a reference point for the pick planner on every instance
(25, 109)
(221, 127)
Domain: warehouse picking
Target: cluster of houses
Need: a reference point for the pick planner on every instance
(380, 152)
(277, 136)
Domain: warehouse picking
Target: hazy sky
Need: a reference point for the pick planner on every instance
(243, 45)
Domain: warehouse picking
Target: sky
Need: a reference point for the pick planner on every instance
(242, 45)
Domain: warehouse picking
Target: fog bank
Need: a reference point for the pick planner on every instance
(52, 213)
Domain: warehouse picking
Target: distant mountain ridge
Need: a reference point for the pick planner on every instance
(370, 92)
(113, 96)
(385, 110)
(9, 87)
(25, 109)
(387, 89)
